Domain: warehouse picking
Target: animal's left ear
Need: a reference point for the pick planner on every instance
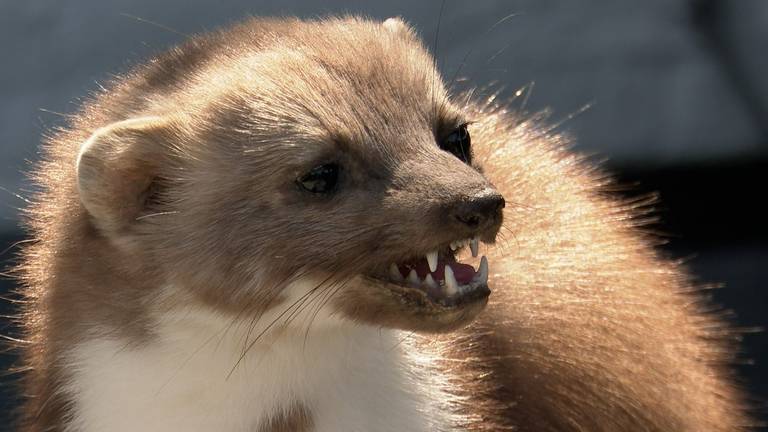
(397, 26)
(116, 169)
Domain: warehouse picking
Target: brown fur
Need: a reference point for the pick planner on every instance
(294, 419)
(587, 328)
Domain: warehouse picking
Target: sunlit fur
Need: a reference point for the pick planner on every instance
(191, 208)
(588, 327)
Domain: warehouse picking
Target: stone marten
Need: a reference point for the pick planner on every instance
(292, 225)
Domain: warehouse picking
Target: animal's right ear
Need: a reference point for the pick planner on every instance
(116, 169)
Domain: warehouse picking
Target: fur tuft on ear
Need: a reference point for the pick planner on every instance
(116, 167)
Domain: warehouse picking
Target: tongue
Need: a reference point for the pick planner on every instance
(463, 272)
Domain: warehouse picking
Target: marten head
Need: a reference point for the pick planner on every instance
(325, 158)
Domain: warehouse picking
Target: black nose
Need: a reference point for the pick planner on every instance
(479, 211)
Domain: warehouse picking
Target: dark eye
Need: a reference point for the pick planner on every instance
(321, 179)
(459, 144)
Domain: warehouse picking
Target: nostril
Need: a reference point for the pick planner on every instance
(471, 221)
(479, 210)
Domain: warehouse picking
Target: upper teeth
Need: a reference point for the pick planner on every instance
(473, 244)
(456, 244)
(450, 286)
(432, 260)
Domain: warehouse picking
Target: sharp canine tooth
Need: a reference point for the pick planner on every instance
(394, 273)
(430, 281)
(413, 278)
(451, 286)
(473, 244)
(482, 272)
(454, 246)
(432, 260)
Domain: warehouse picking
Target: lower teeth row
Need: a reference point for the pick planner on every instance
(450, 287)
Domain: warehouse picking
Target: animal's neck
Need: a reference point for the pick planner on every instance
(208, 371)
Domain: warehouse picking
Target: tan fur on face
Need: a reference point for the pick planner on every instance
(586, 329)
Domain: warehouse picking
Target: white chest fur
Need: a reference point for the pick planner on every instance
(194, 377)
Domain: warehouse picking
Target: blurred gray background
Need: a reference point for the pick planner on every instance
(676, 91)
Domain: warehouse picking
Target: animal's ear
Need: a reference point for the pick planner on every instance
(396, 25)
(116, 169)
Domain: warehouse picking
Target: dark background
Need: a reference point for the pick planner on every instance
(676, 91)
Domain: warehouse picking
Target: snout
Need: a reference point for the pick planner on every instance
(477, 214)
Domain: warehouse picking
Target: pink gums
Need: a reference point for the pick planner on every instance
(463, 272)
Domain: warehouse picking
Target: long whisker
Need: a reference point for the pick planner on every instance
(158, 25)
(156, 214)
(296, 276)
(292, 311)
(472, 49)
(328, 295)
(435, 55)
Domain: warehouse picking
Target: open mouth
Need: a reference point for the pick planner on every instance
(439, 278)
